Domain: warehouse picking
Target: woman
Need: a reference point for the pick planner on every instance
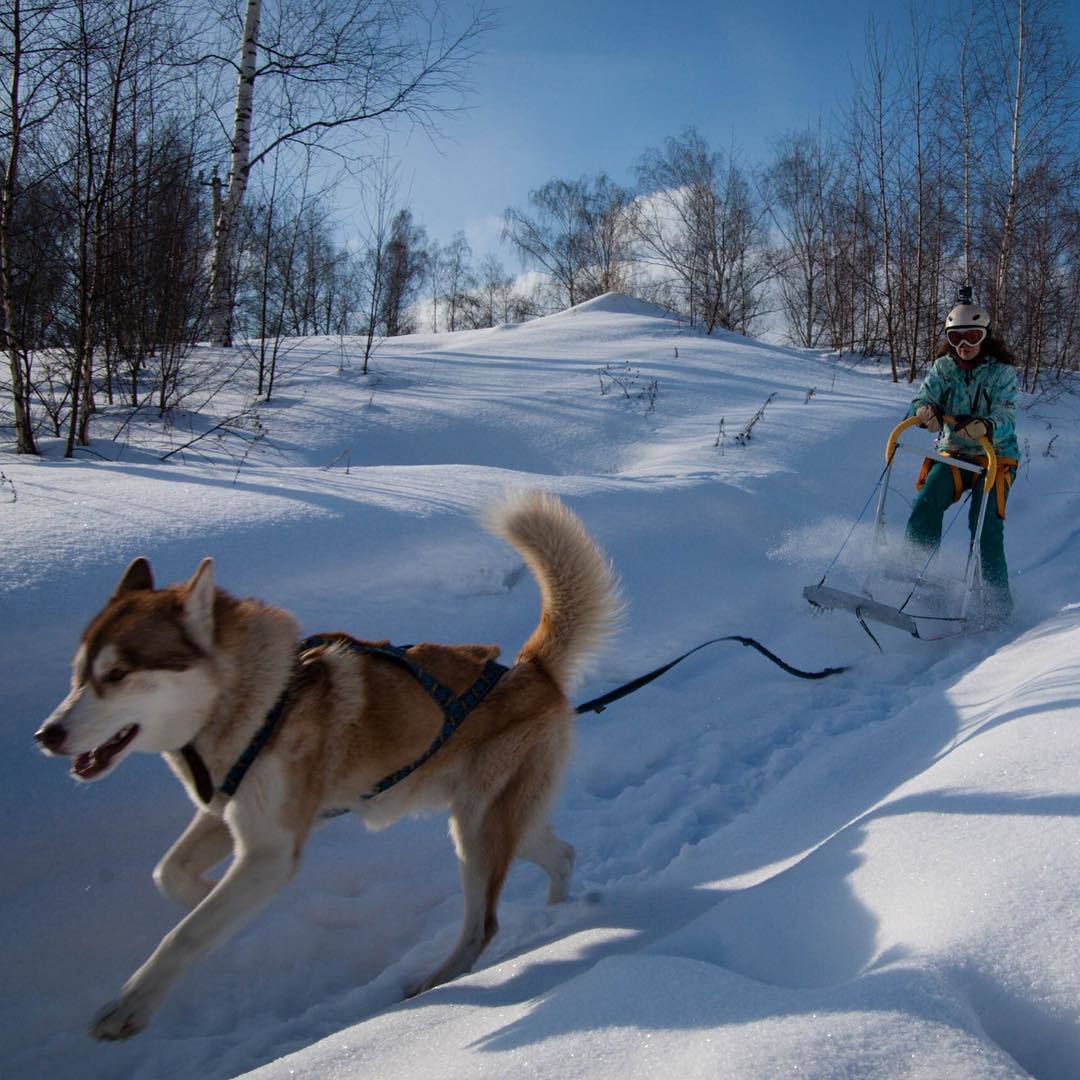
(973, 380)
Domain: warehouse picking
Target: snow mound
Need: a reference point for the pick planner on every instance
(617, 303)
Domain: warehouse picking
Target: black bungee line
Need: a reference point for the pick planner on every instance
(599, 704)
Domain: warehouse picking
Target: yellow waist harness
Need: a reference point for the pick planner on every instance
(962, 479)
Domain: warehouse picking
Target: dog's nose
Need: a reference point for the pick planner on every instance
(51, 737)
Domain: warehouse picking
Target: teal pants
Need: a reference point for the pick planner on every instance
(928, 509)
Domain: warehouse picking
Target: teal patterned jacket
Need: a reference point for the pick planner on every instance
(987, 391)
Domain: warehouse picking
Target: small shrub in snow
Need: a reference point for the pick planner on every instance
(236, 436)
(634, 386)
(721, 437)
(345, 454)
(744, 435)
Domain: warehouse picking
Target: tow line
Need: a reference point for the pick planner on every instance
(599, 704)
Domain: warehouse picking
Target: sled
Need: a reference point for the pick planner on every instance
(863, 605)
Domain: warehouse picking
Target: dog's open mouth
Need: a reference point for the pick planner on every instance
(94, 762)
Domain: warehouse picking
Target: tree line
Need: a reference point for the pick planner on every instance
(956, 163)
(167, 178)
(156, 180)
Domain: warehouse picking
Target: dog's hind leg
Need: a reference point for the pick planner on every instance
(484, 858)
(485, 851)
(486, 845)
(554, 856)
(203, 844)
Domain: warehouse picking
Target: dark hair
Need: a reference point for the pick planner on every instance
(990, 346)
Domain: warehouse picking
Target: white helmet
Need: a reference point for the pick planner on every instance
(968, 317)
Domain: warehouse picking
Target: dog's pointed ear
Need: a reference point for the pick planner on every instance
(138, 575)
(199, 595)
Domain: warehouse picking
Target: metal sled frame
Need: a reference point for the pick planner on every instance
(863, 605)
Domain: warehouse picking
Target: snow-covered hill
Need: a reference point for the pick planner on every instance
(874, 875)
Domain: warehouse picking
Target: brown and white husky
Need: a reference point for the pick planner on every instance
(192, 673)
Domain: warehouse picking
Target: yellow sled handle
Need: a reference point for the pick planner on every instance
(984, 442)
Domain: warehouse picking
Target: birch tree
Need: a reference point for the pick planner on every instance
(1029, 80)
(435, 272)
(608, 234)
(403, 271)
(877, 105)
(696, 223)
(459, 277)
(30, 57)
(379, 206)
(313, 73)
(554, 236)
(797, 183)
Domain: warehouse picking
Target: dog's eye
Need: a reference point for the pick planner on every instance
(115, 675)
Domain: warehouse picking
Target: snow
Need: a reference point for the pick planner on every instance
(872, 875)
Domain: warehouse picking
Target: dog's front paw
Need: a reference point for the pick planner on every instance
(119, 1019)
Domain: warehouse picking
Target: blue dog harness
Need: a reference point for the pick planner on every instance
(454, 709)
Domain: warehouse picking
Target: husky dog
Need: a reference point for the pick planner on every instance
(193, 673)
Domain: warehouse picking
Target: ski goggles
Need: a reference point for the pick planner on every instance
(972, 336)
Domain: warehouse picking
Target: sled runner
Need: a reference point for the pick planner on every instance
(863, 604)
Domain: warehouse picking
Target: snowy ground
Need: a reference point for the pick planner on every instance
(874, 875)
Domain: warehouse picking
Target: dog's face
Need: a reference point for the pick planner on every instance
(143, 677)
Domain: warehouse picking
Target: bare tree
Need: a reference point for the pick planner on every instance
(30, 57)
(878, 105)
(1029, 104)
(435, 273)
(554, 237)
(403, 269)
(606, 224)
(273, 269)
(100, 215)
(495, 289)
(458, 276)
(921, 194)
(797, 183)
(1018, 42)
(113, 48)
(379, 208)
(324, 69)
(698, 225)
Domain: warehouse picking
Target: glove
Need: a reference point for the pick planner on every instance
(972, 427)
(929, 417)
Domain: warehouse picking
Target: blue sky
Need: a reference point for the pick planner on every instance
(574, 87)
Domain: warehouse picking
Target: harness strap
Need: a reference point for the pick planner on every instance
(244, 762)
(454, 713)
(963, 480)
(455, 708)
(1006, 473)
(957, 477)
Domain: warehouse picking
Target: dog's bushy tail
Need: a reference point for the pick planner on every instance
(580, 604)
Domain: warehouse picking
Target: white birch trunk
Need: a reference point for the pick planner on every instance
(965, 107)
(1008, 226)
(221, 297)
